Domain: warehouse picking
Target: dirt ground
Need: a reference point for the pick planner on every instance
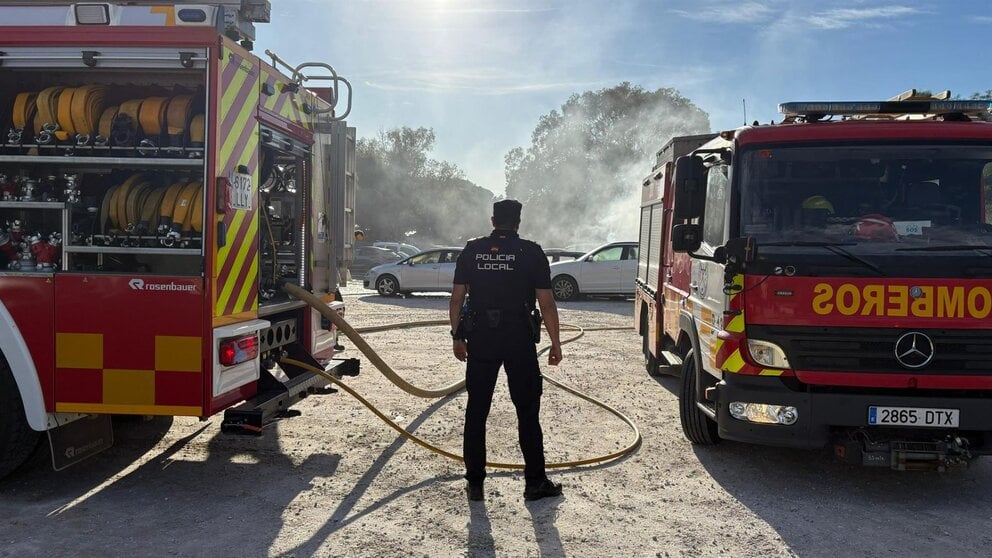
(335, 481)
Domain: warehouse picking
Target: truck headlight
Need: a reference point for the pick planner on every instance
(767, 354)
(763, 413)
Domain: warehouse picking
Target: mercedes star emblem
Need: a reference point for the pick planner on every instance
(914, 350)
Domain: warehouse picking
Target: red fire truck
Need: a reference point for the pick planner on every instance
(158, 182)
(825, 281)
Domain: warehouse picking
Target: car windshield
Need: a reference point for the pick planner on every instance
(871, 199)
(426, 258)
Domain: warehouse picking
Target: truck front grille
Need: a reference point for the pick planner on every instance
(960, 352)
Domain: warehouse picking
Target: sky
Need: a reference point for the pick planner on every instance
(482, 72)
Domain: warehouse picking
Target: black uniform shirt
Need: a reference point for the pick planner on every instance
(501, 271)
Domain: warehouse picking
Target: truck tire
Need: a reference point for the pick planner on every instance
(650, 362)
(698, 428)
(564, 288)
(17, 440)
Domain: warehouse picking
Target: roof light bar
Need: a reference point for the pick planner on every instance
(885, 107)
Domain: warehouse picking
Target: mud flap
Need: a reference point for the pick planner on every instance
(80, 439)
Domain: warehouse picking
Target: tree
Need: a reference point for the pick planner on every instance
(580, 178)
(405, 195)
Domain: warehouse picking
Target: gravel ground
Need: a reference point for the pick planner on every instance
(336, 481)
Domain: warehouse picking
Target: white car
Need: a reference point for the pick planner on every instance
(431, 271)
(398, 247)
(607, 270)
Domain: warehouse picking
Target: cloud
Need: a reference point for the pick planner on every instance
(859, 17)
(981, 19)
(494, 10)
(447, 82)
(744, 12)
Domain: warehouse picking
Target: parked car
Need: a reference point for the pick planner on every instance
(367, 257)
(607, 270)
(398, 247)
(431, 270)
(559, 254)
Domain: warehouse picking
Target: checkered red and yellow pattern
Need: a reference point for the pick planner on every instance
(169, 382)
(129, 345)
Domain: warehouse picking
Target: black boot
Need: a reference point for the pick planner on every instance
(475, 492)
(545, 489)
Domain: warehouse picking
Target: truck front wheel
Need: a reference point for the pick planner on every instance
(17, 440)
(698, 427)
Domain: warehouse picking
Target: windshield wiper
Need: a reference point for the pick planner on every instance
(834, 247)
(947, 248)
(807, 243)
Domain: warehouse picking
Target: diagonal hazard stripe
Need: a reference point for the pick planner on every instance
(736, 325)
(734, 362)
(239, 137)
(236, 98)
(246, 282)
(237, 267)
(236, 233)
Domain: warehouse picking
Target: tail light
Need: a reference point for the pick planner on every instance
(238, 349)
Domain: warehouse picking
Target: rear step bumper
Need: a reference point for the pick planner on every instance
(250, 416)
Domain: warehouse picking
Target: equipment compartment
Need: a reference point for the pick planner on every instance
(102, 164)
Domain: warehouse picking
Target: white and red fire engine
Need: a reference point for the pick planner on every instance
(825, 281)
(157, 183)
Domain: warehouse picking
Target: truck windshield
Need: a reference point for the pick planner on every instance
(881, 198)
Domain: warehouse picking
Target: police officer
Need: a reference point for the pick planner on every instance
(502, 274)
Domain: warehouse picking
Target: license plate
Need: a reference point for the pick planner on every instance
(240, 191)
(913, 416)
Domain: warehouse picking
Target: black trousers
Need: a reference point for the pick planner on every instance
(514, 350)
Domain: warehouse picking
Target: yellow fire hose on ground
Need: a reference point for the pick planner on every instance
(390, 374)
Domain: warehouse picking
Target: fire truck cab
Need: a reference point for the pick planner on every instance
(158, 182)
(825, 282)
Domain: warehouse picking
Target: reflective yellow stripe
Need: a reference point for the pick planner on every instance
(736, 325)
(734, 362)
(99, 409)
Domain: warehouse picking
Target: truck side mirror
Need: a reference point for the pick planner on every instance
(690, 188)
(687, 238)
(741, 250)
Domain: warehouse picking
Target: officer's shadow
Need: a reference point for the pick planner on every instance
(480, 532)
(542, 514)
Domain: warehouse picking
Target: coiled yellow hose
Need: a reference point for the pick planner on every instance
(352, 334)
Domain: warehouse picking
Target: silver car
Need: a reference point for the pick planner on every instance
(607, 270)
(429, 271)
